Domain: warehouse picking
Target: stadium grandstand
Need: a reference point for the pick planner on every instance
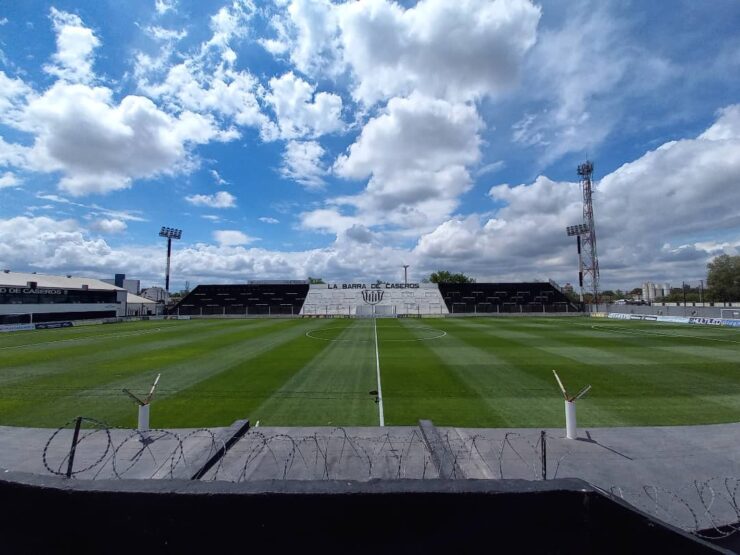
(373, 299)
(30, 298)
(481, 298)
(260, 298)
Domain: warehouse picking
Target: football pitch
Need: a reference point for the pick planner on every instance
(471, 372)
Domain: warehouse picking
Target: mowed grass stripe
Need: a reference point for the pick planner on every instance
(117, 356)
(96, 390)
(637, 394)
(332, 388)
(510, 374)
(45, 356)
(288, 385)
(418, 383)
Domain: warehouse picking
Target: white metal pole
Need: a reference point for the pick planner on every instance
(143, 418)
(571, 431)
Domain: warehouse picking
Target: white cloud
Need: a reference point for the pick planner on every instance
(416, 155)
(456, 50)
(299, 111)
(110, 226)
(101, 146)
(217, 178)
(3, 21)
(75, 46)
(164, 6)
(221, 199)
(652, 216)
(308, 30)
(165, 35)
(13, 95)
(205, 81)
(302, 163)
(230, 237)
(9, 179)
(268, 220)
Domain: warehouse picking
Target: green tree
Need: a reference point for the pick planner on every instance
(443, 276)
(723, 278)
(315, 281)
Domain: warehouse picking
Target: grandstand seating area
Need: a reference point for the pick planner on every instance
(289, 298)
(243, 299)
(505, 297)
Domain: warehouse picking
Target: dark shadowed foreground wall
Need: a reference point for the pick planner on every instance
(50, 514)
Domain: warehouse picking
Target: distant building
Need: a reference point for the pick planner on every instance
(156, 294)
(133, 286)
(140, 306)
(27, 298)
(652, 292)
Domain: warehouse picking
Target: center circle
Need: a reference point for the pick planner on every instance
(430, 333)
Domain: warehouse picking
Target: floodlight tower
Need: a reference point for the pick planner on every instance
(588, 260)
(591, 259)
(405, 274)
(170, 233)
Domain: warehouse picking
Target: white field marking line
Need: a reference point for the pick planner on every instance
(441, 334)
(650, 332)
(377, 366)
(82, 338)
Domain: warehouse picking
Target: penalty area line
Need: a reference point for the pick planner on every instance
(377, 367)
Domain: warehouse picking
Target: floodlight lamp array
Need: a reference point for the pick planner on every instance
(579, 229)
(170, 232)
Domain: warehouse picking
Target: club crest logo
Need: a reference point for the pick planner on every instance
(372, 296)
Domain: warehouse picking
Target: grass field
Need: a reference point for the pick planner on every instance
(473, 372)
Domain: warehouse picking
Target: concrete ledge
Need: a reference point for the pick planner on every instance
(51, 514)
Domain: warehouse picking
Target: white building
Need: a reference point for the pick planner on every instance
(37, 298)
(141, 306)
(157, 294)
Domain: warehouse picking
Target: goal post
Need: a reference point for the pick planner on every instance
(730, 313)
(16, 318)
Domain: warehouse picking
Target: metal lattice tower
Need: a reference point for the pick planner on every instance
(590, 257)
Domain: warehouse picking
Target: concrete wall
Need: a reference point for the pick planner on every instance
(44, 515)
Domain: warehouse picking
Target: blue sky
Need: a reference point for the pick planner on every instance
(343, 139)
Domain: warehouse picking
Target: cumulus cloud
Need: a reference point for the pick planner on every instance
(415, 155)
(300, 111)
(268, 220)
(96, 143)
(76, 43)
(651, 216)
(232, 237)
(9, 179)
(101, 146)
(456, 50)
(302, 163)
(205, 81)
(221, 199)
(359, 233)
(110, 226)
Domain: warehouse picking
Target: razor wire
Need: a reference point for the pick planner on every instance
(708, 508)
(126, 453)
